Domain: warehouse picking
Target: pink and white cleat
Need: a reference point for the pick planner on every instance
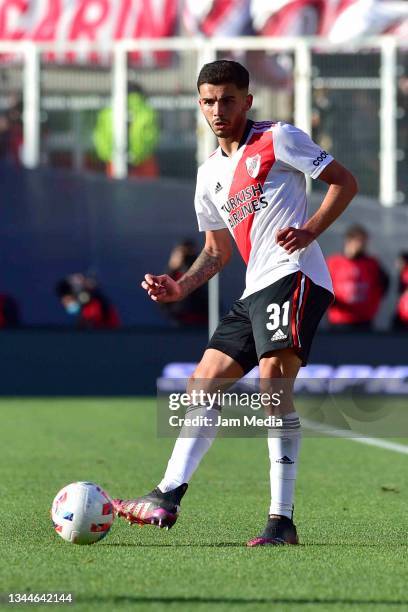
(155, 508)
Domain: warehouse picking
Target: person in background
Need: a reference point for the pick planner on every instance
(11, 132)
(192, 311)
(9, 312)
(81, 297)
(359, 283)
(400, 321)
(143, 135)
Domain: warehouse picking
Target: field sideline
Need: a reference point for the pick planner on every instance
(351, 514)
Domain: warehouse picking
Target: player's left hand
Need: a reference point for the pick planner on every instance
(291, 239)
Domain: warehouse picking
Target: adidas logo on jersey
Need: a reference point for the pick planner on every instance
(218, 187)
(279, 335)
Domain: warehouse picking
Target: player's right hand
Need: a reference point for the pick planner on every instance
(162, 288)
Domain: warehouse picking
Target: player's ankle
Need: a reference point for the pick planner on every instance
(279, 516)
(176, 494)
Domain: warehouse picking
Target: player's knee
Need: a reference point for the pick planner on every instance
(208, 369)
(202, 379)
(269, 386)
(270, 372)
(278, 388)
(208, 377)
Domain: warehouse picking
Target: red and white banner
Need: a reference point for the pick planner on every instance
(88, 21)
(216, 17)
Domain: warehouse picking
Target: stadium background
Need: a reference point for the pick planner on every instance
(61, 63)
(62, 214)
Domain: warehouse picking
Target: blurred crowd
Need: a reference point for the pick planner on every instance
(82, 298)
(152, 148)
(360, 284)
(143, 134)
(360, 281)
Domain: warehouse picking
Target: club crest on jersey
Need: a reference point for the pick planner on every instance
(253, 165)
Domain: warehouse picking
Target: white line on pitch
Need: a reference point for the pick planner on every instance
(343, 433)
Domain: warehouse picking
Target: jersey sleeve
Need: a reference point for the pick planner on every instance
(208, 216)
(296, 149)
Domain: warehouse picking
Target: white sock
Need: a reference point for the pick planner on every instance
(284, 444)
(190, 447)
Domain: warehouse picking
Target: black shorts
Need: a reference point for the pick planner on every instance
(285, 314)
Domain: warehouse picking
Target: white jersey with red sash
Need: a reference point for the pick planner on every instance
(256, 192)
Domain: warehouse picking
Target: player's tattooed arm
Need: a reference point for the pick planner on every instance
(205, 267)
(214, 256)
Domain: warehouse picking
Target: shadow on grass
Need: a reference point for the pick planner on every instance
(243, 545)
(175, 545)
(238, 601)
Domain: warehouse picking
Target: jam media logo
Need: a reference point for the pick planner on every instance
(253, 165)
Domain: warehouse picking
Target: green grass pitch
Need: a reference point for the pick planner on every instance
(353, 552)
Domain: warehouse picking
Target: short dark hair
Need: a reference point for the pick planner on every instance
(404, 256)
(224, 71)
(63, 288)
(356, 231)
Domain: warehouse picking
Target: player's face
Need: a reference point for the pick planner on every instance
(225, 108)
(70, 304)
(355, 246)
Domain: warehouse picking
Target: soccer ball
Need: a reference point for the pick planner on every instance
(82, 513)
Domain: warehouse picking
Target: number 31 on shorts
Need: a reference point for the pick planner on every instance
(278, 315)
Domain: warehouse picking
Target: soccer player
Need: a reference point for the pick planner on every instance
(253, 189)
